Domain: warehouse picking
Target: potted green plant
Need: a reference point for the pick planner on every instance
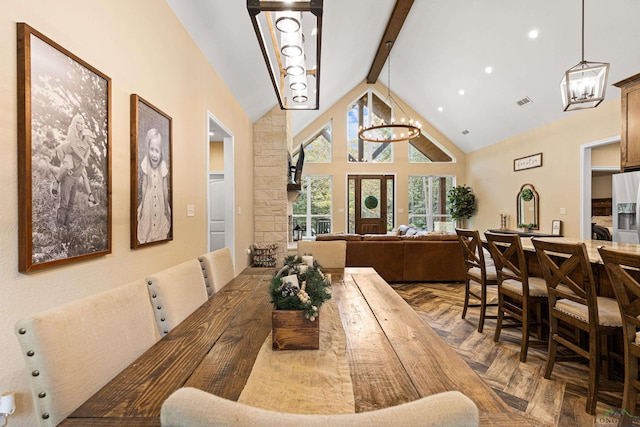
(461, 203)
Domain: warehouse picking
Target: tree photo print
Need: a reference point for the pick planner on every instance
(68, 163)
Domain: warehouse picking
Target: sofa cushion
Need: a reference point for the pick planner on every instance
(432, 236)
(380, 237)
(411, 231)
(335, 236)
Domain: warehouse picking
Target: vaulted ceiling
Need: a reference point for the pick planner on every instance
(443, 47)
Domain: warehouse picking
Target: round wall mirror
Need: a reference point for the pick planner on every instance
(527, 207)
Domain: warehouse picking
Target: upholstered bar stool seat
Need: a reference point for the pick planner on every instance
(519, 295)
(573, 300)
(478, 272)
(537, 286)
(622, 269)
(608, 311)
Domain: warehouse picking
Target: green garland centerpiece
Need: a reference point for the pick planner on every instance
(300, 285)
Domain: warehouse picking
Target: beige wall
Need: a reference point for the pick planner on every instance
(144, 49)
(606, 156)
(400, 167)
(495, 184)
(601, 187)
(216, 156)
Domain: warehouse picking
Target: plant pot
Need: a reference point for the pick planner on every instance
(291, 331)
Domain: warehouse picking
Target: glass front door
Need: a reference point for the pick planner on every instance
(370, 204)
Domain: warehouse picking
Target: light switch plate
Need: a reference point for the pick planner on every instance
(563, 211)
(191, 210)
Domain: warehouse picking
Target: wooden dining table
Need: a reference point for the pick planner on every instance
(393, 355)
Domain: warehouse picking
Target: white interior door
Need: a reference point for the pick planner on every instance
(216, 211)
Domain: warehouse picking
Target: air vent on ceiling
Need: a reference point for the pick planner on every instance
(524, 101)
(464, 132)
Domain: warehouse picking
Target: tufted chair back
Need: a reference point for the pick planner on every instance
(73, 350)
(175, 293)
(330, 254)
(217, 268)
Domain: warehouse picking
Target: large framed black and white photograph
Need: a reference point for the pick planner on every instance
(151, 174)
(64, 155)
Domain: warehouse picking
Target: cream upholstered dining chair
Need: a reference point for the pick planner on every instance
(329, 254)
(73, 350)
(622, 268)
(573, 300)
(519, 294)
(217, 268)
(190, 407)
(175, 293)
(478, 271)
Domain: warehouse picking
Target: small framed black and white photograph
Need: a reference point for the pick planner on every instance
(64, 155)
(151, 174)
(556, 227)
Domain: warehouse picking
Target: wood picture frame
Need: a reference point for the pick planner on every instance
(151, 174)
(528, 162)
(64, 155)
(556, 227)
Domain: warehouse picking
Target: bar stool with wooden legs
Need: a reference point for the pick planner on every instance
(625, 284)
(573, 300)
(518, 294)
(477, 272)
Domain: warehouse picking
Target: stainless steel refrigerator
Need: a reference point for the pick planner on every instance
(626, 207)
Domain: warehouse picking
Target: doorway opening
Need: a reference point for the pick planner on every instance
(371, 203)
(220, 197)
(591, 175)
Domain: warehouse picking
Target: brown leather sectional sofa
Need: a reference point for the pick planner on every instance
(432, 257)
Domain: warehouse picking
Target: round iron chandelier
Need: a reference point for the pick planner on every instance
(390, 132)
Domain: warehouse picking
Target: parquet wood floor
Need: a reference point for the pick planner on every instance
(559, 401)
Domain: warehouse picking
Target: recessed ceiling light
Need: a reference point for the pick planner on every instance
(440, 109)
(533, 34)
(488, 70)
(461, 91)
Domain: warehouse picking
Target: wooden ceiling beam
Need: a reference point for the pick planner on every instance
(398, 16)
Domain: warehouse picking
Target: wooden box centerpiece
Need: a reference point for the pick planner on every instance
(298, 290)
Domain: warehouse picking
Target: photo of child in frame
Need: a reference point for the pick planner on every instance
(151, 196)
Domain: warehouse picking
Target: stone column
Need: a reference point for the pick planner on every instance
(272, 141)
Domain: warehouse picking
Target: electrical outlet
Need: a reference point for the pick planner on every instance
(563, 211)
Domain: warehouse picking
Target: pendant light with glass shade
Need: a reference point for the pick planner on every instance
(289, 34)
(583, 85)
